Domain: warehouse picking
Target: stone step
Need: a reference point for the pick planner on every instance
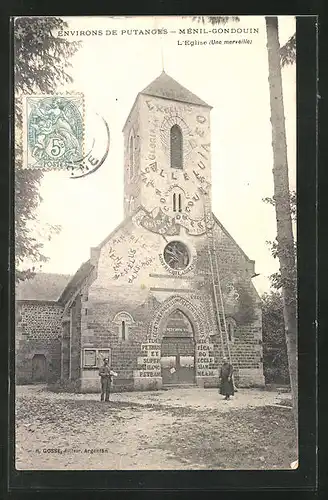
(178, 386)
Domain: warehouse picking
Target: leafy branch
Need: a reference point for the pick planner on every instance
(42, 60)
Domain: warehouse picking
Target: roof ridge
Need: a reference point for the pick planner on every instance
(167, 87)
(231, 237)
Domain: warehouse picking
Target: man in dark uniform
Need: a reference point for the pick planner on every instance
(106, 379)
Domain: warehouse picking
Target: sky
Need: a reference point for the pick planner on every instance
(111, 70)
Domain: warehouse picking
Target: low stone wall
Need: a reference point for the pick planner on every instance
(90, 382)
(147, 383)
(206, 382)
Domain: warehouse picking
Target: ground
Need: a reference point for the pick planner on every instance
(176, 429)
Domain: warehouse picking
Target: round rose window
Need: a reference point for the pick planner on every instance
(176, 255)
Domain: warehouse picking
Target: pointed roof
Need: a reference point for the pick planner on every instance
(76, 281)
(166, 87)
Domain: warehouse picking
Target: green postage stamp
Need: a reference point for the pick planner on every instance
(54, 131)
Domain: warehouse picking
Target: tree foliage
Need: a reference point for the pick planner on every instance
(42, 60)
(291, 279)
(273, 336)
(288, 52)
(215, 19)
(246, 305)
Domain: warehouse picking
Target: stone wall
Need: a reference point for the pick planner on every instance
(131, 280)
(75, 355)
(154, 183)
(38, 332)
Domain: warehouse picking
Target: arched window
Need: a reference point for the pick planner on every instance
(176, 147)
(180, 202)
(131, 156)
(123, 330)
(124, 322)
(177, 202)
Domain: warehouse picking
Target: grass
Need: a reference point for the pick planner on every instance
(261, 438)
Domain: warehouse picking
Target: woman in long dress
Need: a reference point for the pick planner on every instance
(226, 386)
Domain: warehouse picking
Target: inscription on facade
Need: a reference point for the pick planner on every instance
(177, 332)
(149, 363)
(127, 255)
(177, 272)
(154, 106)
(205, 360)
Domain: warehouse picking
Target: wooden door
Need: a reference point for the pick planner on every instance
(39, 368)
(177, 361)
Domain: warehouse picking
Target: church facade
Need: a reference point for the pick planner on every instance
(169, 292)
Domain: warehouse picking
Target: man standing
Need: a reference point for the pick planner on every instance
(105, 374)
(226, 387)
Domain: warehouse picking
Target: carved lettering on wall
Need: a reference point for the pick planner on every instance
(152, 144)
(171, 109)
(201, 119)
(199, 132)
(205, 360)
(127, 253)
(161, 224)
(149, 362)
(177, 272)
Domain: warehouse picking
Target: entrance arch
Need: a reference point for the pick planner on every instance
(177, 326)
(39, 368)
(194, 314)
(178, 350)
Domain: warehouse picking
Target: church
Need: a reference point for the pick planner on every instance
(169, 292)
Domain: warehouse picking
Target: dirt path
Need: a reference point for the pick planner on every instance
(160, 430)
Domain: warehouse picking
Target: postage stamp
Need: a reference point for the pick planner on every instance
(54, 131)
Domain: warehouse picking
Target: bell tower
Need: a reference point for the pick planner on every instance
(167, 151)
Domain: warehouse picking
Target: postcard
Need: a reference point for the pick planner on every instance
(155, 213)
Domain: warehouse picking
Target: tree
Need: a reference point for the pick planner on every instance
(288, 51)
(275, 359)
(285, 240)
(275, 278)
(278, 56)
(215, 19)
(41, 63)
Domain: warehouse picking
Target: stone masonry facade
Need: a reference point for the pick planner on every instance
(119, 304)
(38, 333)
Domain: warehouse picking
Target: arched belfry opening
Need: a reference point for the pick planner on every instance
(176, 147)
(177, 202)
(178, 350)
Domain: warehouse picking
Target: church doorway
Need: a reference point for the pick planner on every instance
(178, 350)
(39, 368)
